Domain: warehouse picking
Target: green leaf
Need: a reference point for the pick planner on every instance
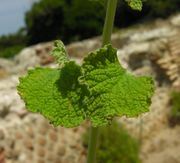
(59, 53)
(98, 91)
(55, 93)
(135, 4)
(113, 91)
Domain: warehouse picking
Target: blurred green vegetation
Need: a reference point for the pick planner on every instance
(161, 8)
(115, 145)
(175, 112)
(45, 21)
(67, 20)
(152, 9)
(71, 20)
(11, 44)
(83, 19)
(11, 51)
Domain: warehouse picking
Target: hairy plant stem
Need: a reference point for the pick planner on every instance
(106, 39)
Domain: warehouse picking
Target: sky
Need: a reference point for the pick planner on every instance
(12, 15)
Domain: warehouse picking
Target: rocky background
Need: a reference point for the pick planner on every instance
(150, 49)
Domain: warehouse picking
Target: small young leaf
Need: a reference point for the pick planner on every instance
(55, 94)
(113, 91)
(59, 53)
(135, 4)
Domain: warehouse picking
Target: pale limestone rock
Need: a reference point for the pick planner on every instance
(26, 59)
(176, 20)
(6, 65)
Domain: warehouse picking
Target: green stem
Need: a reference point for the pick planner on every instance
(141, 131)
(109, 21)
(106, 39)
(92, 145)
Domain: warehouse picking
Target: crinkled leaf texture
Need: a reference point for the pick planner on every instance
(113, 91)
(55, 94)
(98, 90)
(135, 4)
